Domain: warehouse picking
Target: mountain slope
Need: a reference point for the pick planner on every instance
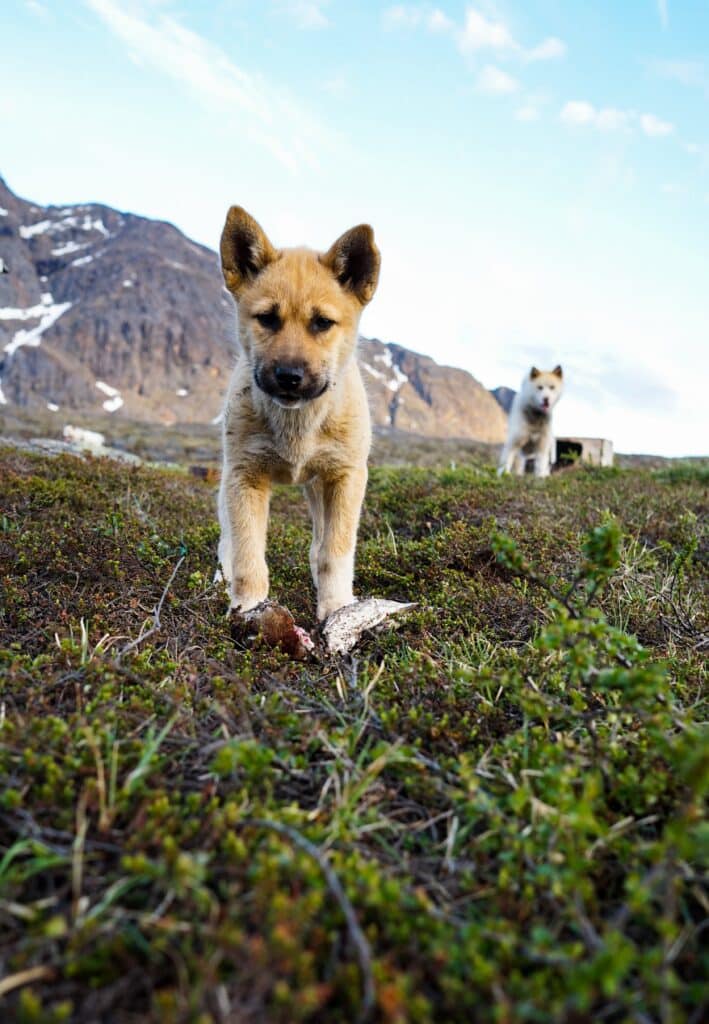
(116, 314)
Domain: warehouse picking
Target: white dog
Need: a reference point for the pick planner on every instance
(529, 433)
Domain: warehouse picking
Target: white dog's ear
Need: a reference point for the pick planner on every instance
(354, 260)
(557, 371)
(534, 373)
(245, 250)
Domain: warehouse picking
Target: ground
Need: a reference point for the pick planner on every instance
(492, 813)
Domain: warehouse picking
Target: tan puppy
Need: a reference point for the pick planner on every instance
(296, 410)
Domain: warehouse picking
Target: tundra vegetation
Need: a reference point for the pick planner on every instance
(493, 812)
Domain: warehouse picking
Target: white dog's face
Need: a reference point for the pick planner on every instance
(543, 388)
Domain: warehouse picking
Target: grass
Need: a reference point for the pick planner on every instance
(492, 813)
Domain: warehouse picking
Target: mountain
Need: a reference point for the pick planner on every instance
(120, 315)
(504, 397)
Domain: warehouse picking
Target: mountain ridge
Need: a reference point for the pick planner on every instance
(107, 311)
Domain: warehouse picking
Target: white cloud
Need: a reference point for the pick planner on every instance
(37, 8)
(477, 33)
(527, 112)
(305, 13)
(663, 11)
(438, 21)
(550, 49)
(686, 72)
(581, 112)
(496, 82)
(654, 127)
(480, 33)
(164, 44)
(415, 16)
(578, 112)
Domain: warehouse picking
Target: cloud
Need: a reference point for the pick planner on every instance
(692, 73)
(663, 11)
(164, 44)
(581, 112)
(477, 34)
(527, 112)
(306, 14)
(654, 127)
(416, 16)
(550, 49)
(481, 33)
(496, 82)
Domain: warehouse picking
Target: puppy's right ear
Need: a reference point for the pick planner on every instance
(534, 373)
(245, 250)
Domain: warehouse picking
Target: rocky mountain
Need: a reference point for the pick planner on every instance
(504, 397)
(111, 313)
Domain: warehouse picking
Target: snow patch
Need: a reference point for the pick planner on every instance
(3, 212)
(28, 230)
(375, 373)
(127, 284)
(399, 379)
(64, 250)
(182, 392)
(53, 407)
(384, 357)
(3, 400)
(114, 400)
(82, 261)
(95, 225)
(48, 314)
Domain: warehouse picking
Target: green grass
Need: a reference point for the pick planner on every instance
(491, 813)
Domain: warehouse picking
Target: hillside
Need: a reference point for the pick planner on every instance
(494, 813)
(119, 316)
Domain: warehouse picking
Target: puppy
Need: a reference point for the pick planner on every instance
(529, 432)
(296, 409)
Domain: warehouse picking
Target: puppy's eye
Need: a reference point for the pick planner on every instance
(540, 387)
(270, 321)
(319, 324)
(552, 387)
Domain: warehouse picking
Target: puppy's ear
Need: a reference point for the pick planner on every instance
(534, 373)
(354, 260)
(557, 371)
(245, 250)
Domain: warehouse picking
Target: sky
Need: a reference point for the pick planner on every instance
(536, 173)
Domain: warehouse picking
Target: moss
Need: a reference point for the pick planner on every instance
(509, 786)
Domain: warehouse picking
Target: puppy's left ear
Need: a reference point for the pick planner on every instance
(557, 371)
(354, 260)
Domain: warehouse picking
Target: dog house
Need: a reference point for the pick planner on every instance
(595, 451)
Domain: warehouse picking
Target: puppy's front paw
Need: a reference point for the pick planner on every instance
(328, 605)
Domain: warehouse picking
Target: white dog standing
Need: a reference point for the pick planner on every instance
(529, 433)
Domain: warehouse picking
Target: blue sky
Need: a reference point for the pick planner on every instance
(537, 173)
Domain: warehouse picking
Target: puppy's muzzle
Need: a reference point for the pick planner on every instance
(290, 383)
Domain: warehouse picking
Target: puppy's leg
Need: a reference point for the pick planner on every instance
(520, 463)
(342, 502)
(542, 460)
(316, 504)
(507, 458)
(224, 555)
(246, 501)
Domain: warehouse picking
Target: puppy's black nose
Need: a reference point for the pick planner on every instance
(289, 377)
